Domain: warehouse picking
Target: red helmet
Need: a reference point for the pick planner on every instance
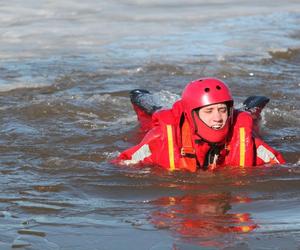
(204, 92)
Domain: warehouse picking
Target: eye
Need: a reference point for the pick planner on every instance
(206, 89)
(223, 110)
(207, 111)
(218, 87)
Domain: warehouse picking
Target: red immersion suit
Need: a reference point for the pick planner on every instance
(172, 143)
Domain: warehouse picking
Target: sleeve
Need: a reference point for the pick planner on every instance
(266, 154)
(141, 153)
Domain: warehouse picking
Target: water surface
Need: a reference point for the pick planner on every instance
(66, 70)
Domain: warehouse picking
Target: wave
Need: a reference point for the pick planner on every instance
(289, 54)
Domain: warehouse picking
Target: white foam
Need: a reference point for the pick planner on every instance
(165, 98)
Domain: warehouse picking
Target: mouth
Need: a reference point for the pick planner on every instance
(216, 126)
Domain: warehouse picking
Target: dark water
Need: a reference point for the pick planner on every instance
(66, 70)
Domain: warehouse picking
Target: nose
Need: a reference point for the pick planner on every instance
(217, 116)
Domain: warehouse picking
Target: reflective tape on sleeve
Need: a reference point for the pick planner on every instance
(266, 155)
(139, 155)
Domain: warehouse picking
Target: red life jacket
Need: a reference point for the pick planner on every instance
(172, 145)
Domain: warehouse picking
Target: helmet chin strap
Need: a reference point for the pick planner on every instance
(201, 139)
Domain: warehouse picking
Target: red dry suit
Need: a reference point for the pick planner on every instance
(171, 144)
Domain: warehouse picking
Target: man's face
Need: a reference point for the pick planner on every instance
(215, 115)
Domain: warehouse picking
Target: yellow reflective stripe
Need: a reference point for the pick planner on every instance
(171, 147)
(242, 146)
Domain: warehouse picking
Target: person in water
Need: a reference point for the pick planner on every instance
(202, 130)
